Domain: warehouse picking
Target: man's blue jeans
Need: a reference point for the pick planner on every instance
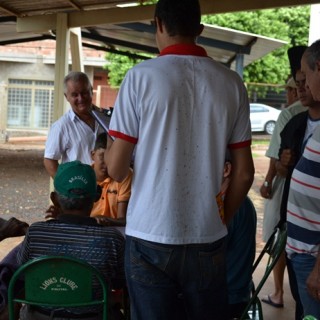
(176, 281)
(302, 265)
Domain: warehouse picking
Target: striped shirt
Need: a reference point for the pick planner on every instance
(82, 238)
(303, 210)
(79, 237)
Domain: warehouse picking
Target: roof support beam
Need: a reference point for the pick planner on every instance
(117, 42)
(61, 66)
(239, 64)
(36, 38)
(73, 4)
(76, 49)
(7, 10)
(37, 23)
(86, 18)
(122, 53)
(224, 45)
(142, 27)
(209, 6)
(139, 13)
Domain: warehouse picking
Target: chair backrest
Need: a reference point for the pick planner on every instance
(58, 282)
(274, 248)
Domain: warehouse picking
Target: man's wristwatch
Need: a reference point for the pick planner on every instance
(266, 184)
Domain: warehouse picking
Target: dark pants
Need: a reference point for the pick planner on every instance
(294, 290)
(176, 281)
(29, 313)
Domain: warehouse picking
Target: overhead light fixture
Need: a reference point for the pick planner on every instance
(126, 5)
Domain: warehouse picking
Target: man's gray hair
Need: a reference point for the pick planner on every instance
(76, 76)
(83, 204)
(312, 55)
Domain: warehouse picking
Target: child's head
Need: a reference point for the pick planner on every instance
(97, 156)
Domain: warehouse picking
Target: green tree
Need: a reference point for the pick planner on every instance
(117, 67)
(288, 24)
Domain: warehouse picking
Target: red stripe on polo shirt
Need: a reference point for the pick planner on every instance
(301, 250)
(302, 218)
(241, 144)
(305, 184)
(184, 49)
(296, 249)
(123, 136)
(312, 150)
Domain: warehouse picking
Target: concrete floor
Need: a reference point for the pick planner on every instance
(269, 312)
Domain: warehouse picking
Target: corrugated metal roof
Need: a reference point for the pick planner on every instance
(21, 8)
(222, 44)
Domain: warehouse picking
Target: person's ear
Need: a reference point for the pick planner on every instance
(227, 169)
(54, 199)
(158, 23)
(92, 155)
(201, 27)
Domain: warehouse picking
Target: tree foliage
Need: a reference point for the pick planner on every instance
(288, 24)
(117, 67)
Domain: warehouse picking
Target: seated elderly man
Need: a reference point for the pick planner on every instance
(74, 233)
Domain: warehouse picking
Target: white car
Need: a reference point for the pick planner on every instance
(263, 117)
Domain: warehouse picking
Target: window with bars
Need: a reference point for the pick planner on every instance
(30, 104)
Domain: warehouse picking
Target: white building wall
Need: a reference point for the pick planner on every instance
(33, 69)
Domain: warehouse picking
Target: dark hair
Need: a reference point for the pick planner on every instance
(83, 204)
(76, 76)
(312, 55)
(295, 55)
(101, 142)
(180, 17)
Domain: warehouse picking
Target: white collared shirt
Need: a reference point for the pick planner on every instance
(71, 139)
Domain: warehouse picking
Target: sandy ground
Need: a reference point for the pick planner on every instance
(24, 184)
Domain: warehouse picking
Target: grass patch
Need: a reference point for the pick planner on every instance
(260, 142)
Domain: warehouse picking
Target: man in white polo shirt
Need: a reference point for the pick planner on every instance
(72, 137)
(180, 111)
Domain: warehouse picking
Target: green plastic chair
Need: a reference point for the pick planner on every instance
(58, 282)
(274, 247)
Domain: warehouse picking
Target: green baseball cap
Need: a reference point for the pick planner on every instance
(75, 175)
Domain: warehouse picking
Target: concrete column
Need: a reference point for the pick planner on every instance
(314, 23)
(239, 64)
(76, 49)
(61, 66)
